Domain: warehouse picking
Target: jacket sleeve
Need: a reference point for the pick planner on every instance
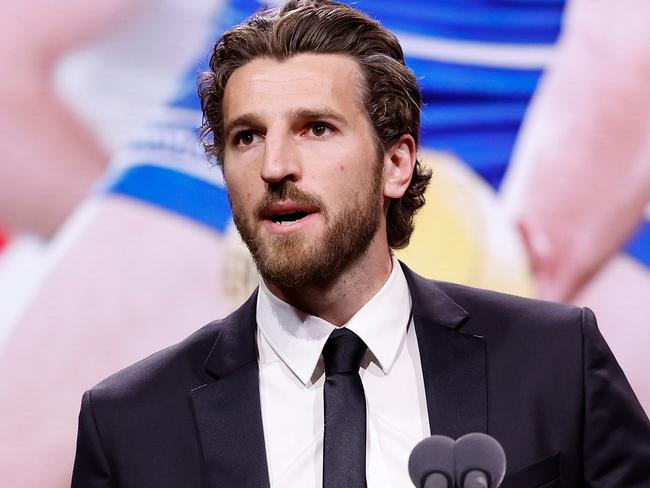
(91, 469)
(616, 430)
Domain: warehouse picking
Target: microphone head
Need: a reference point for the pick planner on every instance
(481, 452)
(434, 454)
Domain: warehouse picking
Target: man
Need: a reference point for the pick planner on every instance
(343, 358)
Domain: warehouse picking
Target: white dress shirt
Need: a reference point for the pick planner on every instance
(292, 376)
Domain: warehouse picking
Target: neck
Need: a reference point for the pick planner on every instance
(339, 300)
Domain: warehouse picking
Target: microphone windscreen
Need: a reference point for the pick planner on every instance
(434, 454)
(479, 451)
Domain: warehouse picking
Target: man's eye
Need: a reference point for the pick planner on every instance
(245, 138)
(319, 129)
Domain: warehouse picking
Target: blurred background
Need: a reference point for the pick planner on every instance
(115, 231)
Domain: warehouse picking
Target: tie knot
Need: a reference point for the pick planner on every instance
(343, 352)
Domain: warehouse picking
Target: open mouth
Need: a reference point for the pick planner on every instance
(287, 213)
(288, 218)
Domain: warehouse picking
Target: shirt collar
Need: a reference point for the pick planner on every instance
(298, 337)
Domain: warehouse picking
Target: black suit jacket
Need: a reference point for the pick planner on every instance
(537, 376)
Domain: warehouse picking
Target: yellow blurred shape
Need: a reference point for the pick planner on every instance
(462, 234)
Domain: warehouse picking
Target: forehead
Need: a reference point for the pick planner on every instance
(267, 85)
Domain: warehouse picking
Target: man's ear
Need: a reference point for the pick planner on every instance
(399, 162)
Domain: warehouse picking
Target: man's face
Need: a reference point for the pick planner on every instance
(301, 166)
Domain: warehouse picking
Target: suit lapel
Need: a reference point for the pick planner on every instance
(227, 411)
(453, 362)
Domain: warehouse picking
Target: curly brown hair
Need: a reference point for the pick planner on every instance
(390, 93)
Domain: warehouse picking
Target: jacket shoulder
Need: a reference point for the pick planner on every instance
(180, 364)
(479, 302)
(494, 314)
(180, 367)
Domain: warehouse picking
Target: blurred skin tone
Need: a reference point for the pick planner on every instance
(48, 162)
(320, 140)
(110, 301)
(49, 159)
(589, 123)
(586, 142)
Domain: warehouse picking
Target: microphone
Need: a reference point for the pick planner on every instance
(431, 463)
(473, 461)
(480, 461)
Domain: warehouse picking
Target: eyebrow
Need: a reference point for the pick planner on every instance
(319, 113)
(245, 120)
(253, 120)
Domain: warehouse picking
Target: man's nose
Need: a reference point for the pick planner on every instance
(281, 161)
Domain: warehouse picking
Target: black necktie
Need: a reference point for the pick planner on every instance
(344, 444)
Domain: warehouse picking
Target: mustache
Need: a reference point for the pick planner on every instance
(287, 190)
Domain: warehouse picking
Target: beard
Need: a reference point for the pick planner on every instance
(295, 261)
